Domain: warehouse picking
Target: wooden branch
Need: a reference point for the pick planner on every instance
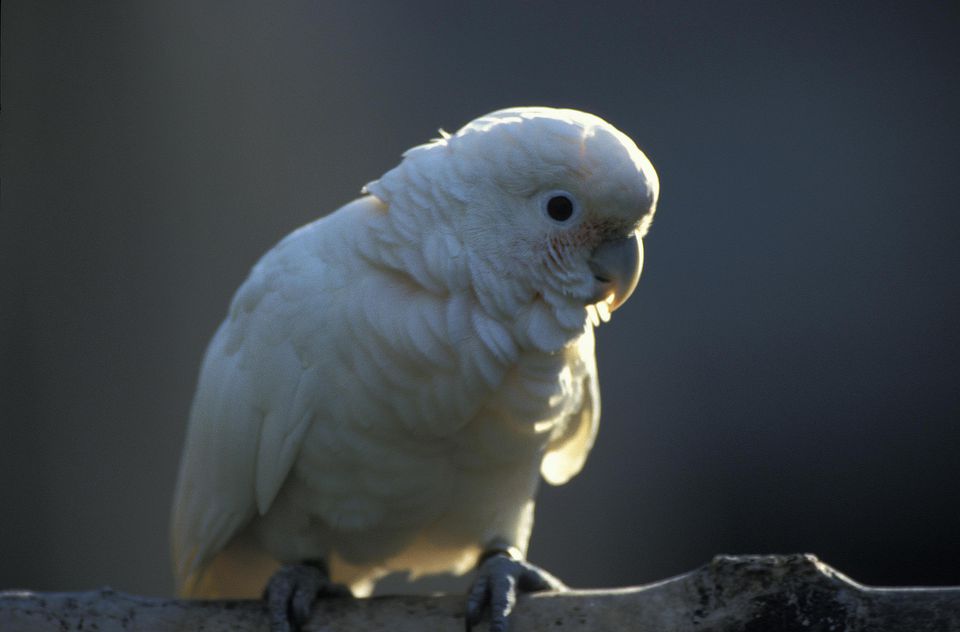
(774, 593)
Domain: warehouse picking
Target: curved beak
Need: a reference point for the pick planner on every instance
(616, 266)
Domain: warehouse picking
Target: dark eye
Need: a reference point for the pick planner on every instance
(560, 208)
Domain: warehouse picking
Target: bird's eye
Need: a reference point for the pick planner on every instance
(560, 208)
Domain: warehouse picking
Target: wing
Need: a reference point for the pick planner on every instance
(571, 442)
(255, 399)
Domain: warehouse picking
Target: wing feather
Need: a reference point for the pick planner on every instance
(214, 496)
(255, 400)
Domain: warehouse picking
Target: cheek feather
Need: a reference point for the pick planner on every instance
(585, 237)
(558, 250)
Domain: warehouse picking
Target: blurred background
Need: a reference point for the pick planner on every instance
(785, 379)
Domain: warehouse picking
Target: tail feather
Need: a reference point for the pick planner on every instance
(238, 572)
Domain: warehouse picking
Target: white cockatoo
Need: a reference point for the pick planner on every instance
(392, 380)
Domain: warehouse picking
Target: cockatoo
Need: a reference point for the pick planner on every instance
(393, 379)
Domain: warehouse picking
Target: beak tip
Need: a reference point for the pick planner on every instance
(616, 266)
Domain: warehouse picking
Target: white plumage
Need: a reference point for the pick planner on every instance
(392, 379)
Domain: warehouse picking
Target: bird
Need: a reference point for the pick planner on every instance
(392, 380)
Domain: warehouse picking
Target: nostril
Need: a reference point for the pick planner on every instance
(601, 279)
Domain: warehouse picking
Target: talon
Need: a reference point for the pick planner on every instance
(291, 591)
(499, 577)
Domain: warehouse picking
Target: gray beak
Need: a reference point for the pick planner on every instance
(616, 266)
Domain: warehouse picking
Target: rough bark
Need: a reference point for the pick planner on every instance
(777, 593)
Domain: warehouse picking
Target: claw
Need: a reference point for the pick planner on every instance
(499, 577)
(291, 591)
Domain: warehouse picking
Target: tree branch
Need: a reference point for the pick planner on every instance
(777, 593)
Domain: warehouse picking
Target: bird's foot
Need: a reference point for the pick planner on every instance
(500, 575)
(291, 591)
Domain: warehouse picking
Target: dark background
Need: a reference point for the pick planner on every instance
(785, 378)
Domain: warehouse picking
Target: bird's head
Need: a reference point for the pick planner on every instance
(548, 203)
